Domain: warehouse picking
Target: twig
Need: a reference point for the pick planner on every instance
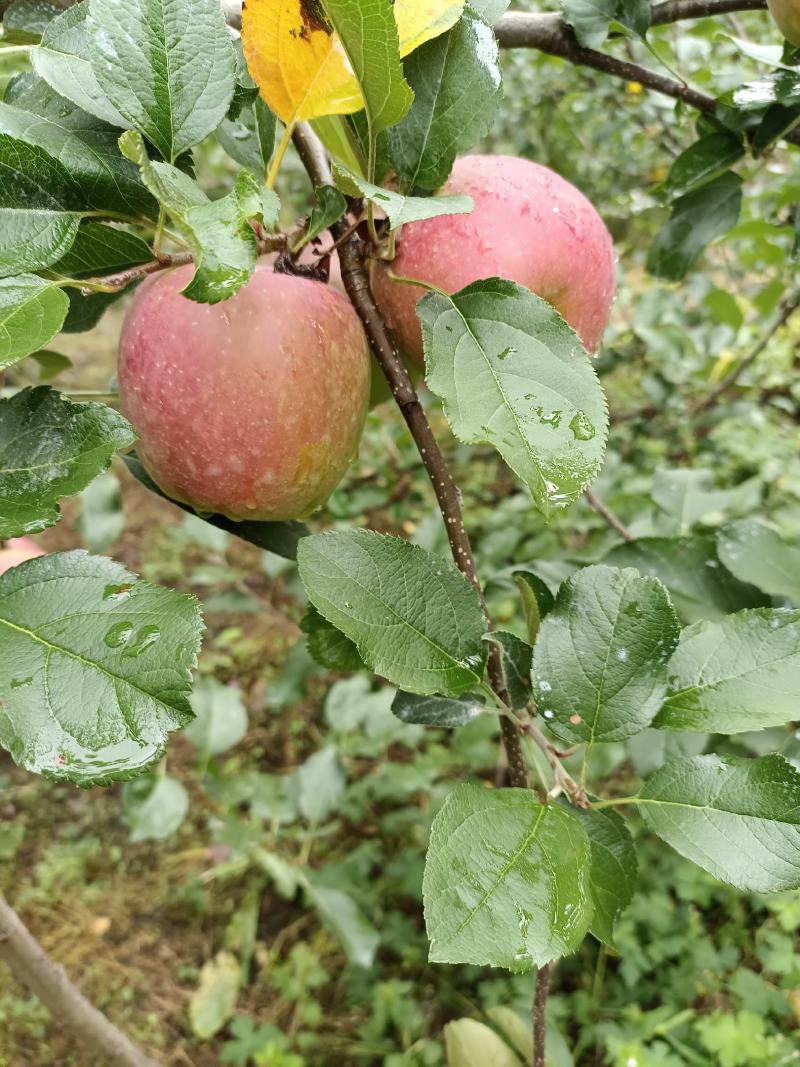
(539, 1013)
(354, 277)
(274, 242)
(30, 964)
(564, 781)
(605, 512)
(790, 305)
(548, 33)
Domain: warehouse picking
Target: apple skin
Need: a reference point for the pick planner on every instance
(252, 408)
(529, 225)
(786, 14)
(16, 551)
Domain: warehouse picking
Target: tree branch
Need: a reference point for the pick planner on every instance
(540, 1015)
(30, 965)
(548, 33)
(790, 305)
(356, 282)
(605, 512)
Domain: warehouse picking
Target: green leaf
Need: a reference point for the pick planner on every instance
(397, 208)
(86, 311)
(690, 495)
(517, 661)
(214, 1001)
(37, 194)
(329, 208)
(50, 363)
(101, 521)
(32, 311)
(220, 717)
(537, 601)
(754, 553)
(473, 1044)
(612, 877)
(368, 33)
(318, 785)
(435, 711)
(489, 10)
(700, 587)
(51, 448)
(250, 137)
(506, 880)
(591, 18)
(415, 618)
(223, 242)
(600, 664)
(95, 667)
(329, 646)
(25, 21)
(218, 232)
(738, 819)
(282, 538)
(457, 92)
(697, 219)
(166, 65)
(63, 60)
(153, 807)
(512, 373)
(99, 249)
(358, 936)
(702, 162)
(84, 145)
(741, 673)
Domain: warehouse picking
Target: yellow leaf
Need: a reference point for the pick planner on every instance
(419, 21)
(298, 61)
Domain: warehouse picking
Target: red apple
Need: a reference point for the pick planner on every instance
(529, 225)
(16, 551)
(252, 408)
(787, 15)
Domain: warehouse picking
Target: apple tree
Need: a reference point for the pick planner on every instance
(244, 382)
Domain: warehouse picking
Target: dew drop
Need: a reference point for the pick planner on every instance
(119, 634)
(582, 427)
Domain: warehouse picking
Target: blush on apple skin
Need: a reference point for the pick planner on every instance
(787, 17)
(252, 408)
(18, 550)
(529, 225)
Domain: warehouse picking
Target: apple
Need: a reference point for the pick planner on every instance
(787, 16)
(529, 225)
(251, 408)
(16, 551)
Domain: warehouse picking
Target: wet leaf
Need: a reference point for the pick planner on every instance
(71, 623)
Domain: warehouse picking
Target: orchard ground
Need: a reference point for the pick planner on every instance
(702, 968)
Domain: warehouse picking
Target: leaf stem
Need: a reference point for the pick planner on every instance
(280, 152)
(404, 280)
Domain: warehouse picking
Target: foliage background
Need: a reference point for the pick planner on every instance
(137, 899)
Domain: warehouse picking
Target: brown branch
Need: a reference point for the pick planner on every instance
(549, 33)
(30, 965)
(539, 1014)
(352, 252)
(678, 10)
(790, 305)
(605, 512)
(110, 283)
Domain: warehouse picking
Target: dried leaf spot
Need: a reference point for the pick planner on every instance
(314, 19)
